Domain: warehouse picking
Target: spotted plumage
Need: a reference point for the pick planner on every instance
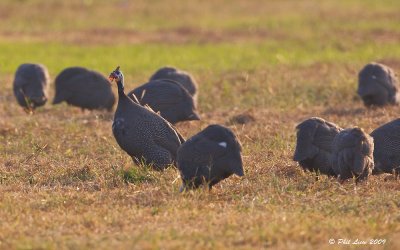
(352, 154)
(387, 148)
(314, 145)
(209, 157)
(30, 85)
(168, 98)
(378, 85)
(143, 134)
(84, 88)
(184, 78)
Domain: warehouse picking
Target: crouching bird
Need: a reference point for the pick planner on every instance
(378, 85)
(352, 154)
(84, 88)
(184, 78)
(209, 157)
(387, 148)
(144, 135)
(314, 145)
(169, 98)
(30, 85)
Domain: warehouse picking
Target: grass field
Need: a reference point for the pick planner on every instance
(65, 183)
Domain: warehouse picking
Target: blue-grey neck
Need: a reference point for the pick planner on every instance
(120, 84)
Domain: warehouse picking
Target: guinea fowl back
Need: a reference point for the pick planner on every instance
(387, 147)
(168, 98)
(353, 154)
(182, 77)
(314, 145)
(209, 157)
(83, 88)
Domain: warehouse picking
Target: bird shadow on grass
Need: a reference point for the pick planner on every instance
(242, 118)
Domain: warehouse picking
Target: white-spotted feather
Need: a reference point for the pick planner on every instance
(223, 144)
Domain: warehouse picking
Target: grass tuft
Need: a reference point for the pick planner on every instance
(137, 175)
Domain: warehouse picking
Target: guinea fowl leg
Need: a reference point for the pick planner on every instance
(136, 161)
(396, 173)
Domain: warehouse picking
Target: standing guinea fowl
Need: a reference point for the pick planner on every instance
(314, 145)
(378, 85)
(169, 98)
(30, 85)
(352, 154)
(209, 157)
(184, 78)
(143, 134)
(387, 148)
(84, 88)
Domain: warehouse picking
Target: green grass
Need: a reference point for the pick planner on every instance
(238, 63)
(221, 57)
(65, 183)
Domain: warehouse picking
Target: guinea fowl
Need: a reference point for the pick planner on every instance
(30, 85)
(84, 88)
(184, 78)
(314, 145)
(168, 98)
(209, 157)
(144, 135)
(387, 148)
(378, 85)
(352, 154)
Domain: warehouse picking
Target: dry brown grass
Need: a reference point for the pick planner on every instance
(62, 186)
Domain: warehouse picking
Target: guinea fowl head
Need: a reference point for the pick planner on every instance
(117, 76)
